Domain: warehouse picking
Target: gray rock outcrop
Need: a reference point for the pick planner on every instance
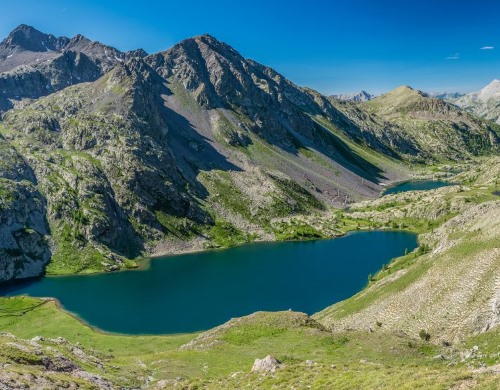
(268, 364)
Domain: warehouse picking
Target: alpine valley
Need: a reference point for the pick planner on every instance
(108, 158)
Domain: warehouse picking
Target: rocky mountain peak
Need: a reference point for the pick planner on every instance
(490, 91)
(206, 67)
(25, 37)
(405, 100)
(204, 45)
(78, 39)
(140, 53)
(406, 94)
(403, 89)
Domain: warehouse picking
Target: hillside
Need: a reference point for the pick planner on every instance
(36, 352)
(449, 288)
(128, 154)
(421, 128)
(157, 152)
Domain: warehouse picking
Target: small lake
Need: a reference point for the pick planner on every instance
(422, 185)
(186, 293)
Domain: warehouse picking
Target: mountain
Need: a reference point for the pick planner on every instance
(26, 45)
(417, 127)
(34, 64)
(447, 95)
(169, 147)
(485, 103)
(361, 96)
(107, 156)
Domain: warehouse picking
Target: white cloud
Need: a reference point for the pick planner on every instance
(487, 48)
(455, 56)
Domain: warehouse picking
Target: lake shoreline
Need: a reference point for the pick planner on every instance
(196, 293)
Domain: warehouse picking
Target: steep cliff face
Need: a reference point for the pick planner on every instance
(24, 245)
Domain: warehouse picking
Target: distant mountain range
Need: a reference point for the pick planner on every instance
(485, 103)
(106, 155)
(361, 96)
(446, 95)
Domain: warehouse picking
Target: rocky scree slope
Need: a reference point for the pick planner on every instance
(449, 292)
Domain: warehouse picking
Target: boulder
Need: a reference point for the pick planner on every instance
(268, 364)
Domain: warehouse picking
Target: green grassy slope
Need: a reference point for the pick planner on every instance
(222, 358)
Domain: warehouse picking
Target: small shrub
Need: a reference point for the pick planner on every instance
(424, 335)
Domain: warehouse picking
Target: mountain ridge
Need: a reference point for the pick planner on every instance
(194, 142)
(35, 64)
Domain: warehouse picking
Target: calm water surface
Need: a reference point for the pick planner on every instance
(416, 186)
(194, 292)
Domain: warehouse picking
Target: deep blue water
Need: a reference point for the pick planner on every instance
(416, 186)
(195, 292)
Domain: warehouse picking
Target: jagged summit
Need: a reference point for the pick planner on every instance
(202, 45)
(34, 64)
(26, 45)
(78, 40)
(25, 37)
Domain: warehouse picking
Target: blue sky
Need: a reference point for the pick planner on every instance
(332, 46)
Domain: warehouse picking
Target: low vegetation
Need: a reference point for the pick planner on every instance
(356, 343)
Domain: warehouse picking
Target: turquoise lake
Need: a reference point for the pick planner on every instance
(423, 185)
(187, 293)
